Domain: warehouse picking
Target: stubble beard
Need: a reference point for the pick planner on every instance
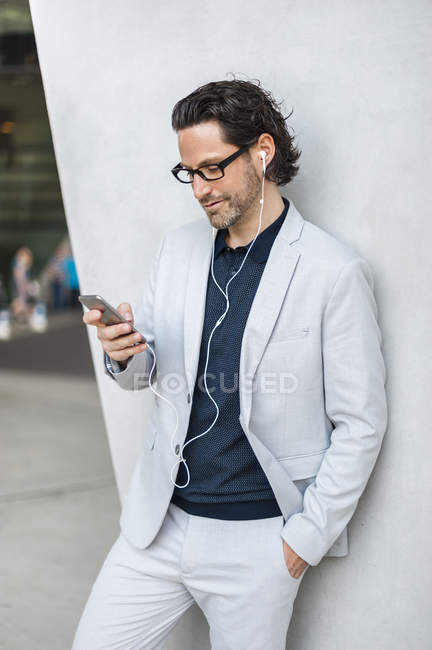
(238, 206)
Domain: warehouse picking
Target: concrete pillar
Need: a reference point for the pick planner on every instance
(356, 75)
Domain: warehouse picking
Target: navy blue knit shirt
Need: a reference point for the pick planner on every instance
(226, 479)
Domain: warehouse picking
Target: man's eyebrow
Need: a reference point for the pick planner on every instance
(207, 161)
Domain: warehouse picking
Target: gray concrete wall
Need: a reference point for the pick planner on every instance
(357, 77)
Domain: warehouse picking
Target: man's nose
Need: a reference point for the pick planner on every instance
(201, 187)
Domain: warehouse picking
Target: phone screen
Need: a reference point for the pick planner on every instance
(110, 316)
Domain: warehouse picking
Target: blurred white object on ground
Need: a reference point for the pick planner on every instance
(38, 319)
(5, 329)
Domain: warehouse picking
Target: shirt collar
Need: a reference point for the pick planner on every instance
(263, 243)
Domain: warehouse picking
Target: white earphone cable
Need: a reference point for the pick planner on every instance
(219, 321)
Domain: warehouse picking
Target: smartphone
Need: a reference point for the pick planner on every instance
(110, 316)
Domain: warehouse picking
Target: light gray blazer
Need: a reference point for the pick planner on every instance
(312, 379)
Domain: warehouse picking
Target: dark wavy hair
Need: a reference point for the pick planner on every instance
(244, 110)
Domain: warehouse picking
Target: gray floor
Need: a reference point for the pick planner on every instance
(62, 348)
(59, 506)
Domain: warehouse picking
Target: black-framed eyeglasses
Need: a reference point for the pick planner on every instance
(209, 172)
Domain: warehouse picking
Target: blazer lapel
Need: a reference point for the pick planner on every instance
(195, 301)
(265, 308)
(273, 286)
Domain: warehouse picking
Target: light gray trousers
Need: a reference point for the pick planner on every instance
(234, 570)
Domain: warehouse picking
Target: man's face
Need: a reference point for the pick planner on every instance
(236, 195)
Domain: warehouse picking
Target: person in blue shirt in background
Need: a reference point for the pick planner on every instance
(71, 281)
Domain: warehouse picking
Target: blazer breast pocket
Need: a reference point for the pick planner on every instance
(291, 334)
(292, 358)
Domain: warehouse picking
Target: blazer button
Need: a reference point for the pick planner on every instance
(188, 398)
(177, 449)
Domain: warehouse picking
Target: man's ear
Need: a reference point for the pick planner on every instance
(266, 143)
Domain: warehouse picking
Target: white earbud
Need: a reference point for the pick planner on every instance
(263, 157)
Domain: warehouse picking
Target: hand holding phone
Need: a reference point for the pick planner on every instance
(119, 338)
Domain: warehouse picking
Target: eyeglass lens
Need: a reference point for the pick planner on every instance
(210, 172)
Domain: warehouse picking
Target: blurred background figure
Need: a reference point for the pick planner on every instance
(59, 279)
(56, 276)
(71, 283)
(24, 289)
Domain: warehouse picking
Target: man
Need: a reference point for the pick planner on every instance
(270, 406)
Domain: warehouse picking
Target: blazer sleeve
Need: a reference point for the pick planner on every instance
(112, 367)
(355, 402)
(139, 366)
